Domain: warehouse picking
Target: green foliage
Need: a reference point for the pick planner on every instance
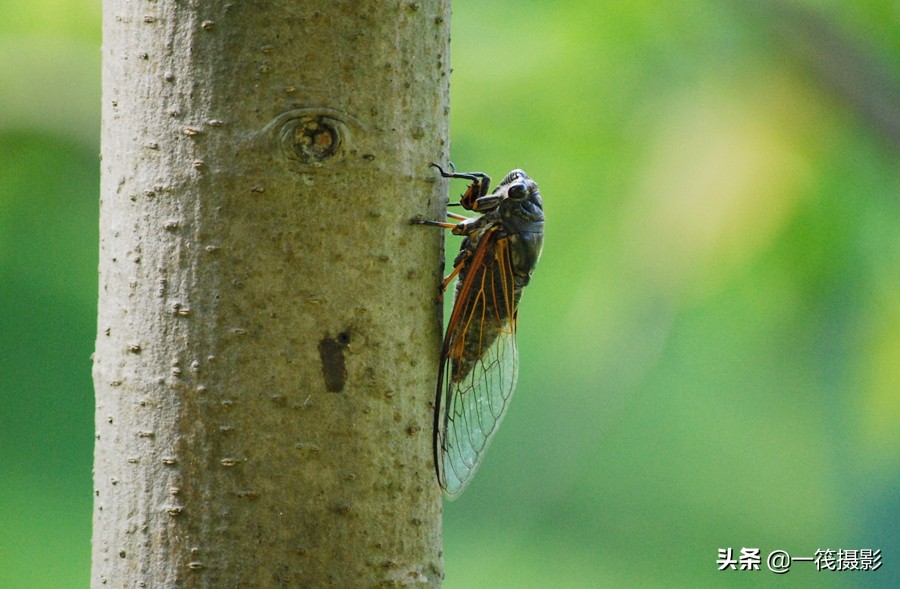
(709, 346)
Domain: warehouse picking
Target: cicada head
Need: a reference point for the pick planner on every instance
(521, 208)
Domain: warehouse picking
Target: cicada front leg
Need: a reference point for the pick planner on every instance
(479, 187)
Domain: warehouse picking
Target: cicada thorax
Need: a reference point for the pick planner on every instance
(484, 307)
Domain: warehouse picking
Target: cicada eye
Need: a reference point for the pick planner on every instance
(517, 191)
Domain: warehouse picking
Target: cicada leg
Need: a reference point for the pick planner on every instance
(433, 223)
(479, 187)
(456, 270)
(455, 228)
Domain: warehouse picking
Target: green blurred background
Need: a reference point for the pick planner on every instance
(710, 348)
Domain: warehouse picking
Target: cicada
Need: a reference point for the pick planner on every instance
(479, 361)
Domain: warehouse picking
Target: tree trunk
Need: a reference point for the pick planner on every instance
(268, 328)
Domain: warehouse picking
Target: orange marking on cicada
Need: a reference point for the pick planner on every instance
(501, 249)
(477, 260)
(470, 295)
(508, 289)
(452, 275)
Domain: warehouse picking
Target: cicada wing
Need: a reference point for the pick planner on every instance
(475, 407)
(479, 367)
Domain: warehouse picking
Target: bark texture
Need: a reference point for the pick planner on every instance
(268, 333)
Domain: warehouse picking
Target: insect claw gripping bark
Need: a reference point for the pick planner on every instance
(479, 356)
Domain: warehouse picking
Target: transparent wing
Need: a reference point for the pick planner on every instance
(480, 364)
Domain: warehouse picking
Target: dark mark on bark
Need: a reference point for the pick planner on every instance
(334, 369)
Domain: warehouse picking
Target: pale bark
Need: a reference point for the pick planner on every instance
(268, 329)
